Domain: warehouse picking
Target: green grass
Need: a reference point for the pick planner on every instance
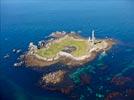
(82, 48)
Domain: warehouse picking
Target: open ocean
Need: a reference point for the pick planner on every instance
(24, 21)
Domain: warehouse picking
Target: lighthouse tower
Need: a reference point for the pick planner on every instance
(93, 36)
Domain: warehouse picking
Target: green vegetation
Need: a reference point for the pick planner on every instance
(81, 47)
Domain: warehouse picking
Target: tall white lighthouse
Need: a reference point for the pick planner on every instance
(93, 35)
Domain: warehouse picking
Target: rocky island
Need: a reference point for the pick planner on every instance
(61, 56)
(66, 48)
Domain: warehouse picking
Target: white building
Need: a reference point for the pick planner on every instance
(93, 37)
(32, 48)
(89, 39)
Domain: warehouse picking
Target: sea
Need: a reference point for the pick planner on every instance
(25, 21)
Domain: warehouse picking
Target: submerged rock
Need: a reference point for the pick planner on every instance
(14, 50)
(18, 51)
(6, 56)
(120, 80)
(115, 96)
(18, 64)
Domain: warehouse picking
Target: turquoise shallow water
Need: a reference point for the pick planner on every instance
(32, 20)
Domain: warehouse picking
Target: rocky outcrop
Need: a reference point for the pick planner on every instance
(53, 78)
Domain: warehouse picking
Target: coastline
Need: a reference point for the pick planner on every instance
(61, 51)
(34, 59)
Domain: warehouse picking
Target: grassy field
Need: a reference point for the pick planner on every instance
(81, 48)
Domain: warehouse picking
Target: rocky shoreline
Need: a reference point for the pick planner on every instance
(32, 59)
(69, 55)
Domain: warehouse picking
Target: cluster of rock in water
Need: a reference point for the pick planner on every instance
(16, 51)
(66, 80)
(54, 77)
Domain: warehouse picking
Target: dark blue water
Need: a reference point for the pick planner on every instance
(23, 21)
